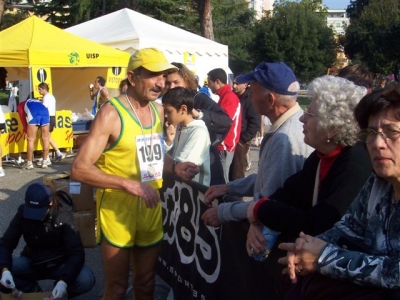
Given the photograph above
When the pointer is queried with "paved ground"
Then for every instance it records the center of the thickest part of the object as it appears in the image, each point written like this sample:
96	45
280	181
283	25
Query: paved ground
12	191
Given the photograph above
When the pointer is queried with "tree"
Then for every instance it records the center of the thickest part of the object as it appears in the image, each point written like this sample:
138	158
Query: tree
9	19
205	16
64	13
297	35
233	26
372	38
355	8
2	4
8	4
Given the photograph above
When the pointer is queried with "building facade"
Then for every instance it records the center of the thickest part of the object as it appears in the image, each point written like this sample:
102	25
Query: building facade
337	19
260	6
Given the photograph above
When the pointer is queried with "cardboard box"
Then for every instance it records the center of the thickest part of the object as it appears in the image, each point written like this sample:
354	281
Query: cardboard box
29	296
79	140
81	194
86	222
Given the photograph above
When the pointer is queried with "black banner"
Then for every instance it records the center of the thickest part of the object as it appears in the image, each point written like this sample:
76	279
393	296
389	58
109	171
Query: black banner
201	262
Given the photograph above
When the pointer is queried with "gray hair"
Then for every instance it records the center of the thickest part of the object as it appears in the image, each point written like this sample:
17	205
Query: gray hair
336	99
283	99
293	87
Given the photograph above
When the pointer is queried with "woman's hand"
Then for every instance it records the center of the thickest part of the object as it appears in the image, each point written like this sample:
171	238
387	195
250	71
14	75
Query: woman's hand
302	256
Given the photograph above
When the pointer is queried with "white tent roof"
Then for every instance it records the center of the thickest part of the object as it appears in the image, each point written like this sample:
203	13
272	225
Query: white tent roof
127	30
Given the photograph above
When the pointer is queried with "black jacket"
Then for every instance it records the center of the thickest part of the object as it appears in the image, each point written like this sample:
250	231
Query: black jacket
217	120
290	209
218	124
251	120
49	243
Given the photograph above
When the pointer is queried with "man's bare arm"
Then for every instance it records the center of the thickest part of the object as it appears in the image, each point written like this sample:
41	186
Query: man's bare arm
103	132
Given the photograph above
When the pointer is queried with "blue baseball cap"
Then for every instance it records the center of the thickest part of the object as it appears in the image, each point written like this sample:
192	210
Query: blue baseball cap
37	199
276	77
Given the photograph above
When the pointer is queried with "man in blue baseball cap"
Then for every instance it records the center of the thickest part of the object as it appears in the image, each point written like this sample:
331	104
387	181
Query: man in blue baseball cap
276	77
274	89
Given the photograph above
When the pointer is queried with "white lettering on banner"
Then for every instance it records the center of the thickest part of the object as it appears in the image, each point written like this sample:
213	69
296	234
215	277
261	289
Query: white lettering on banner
183	218
186	283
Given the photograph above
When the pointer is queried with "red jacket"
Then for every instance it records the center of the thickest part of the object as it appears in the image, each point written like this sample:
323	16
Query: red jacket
22	115
231	104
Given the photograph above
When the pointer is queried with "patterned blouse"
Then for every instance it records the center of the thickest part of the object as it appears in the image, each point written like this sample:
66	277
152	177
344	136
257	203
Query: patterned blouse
364	246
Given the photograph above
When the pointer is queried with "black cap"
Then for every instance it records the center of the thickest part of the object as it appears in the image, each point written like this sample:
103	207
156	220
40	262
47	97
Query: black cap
37	199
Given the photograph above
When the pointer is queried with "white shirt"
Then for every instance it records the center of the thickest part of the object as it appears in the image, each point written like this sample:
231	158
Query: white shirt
50	102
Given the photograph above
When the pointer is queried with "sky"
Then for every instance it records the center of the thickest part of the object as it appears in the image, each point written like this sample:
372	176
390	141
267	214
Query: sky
336	4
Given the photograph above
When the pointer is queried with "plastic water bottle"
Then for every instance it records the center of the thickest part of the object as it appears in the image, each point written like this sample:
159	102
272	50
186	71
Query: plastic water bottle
271	236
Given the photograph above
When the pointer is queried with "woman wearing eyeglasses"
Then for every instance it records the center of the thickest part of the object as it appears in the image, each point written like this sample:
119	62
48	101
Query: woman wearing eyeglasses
359	257
316	197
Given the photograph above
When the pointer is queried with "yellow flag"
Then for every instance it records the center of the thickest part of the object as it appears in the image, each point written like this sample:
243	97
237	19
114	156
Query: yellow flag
114	77
40	75
189	59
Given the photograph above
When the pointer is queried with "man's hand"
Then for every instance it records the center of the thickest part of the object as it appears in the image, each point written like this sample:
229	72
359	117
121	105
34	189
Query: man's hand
210	217
59	290
250	213
7	280
255	239
215	191
144	191
186	170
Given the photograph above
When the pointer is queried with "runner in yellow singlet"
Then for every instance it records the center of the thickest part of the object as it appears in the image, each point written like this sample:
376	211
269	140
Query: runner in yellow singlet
126	159
123	157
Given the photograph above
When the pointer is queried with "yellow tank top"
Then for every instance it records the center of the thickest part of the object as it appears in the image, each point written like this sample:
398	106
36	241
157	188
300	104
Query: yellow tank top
121	158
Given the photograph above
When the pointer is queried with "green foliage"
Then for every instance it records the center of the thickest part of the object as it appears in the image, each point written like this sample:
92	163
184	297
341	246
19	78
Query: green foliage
64	14
372	37
179	13
9	20
4	95
294	34
297	35
233	26
355	8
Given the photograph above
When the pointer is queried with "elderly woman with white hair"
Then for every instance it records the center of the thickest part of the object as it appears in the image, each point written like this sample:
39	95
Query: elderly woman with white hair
316	197
359	257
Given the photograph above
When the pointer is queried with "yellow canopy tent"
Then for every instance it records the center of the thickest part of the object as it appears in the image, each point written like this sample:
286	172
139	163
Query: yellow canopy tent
74	61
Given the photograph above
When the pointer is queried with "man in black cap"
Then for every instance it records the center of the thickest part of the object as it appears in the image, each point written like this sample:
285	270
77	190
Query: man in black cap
53	248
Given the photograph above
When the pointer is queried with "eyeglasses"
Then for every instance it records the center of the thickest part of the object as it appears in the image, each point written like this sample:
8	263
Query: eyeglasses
368	135
306	113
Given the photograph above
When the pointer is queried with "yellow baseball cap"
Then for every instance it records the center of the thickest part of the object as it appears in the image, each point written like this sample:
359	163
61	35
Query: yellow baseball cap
151	59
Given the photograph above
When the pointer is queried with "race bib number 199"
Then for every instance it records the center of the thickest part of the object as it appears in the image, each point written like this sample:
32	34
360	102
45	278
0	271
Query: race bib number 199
150	152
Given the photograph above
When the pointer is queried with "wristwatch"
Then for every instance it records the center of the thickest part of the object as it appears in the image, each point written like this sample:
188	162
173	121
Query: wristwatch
174	165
